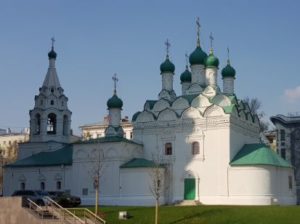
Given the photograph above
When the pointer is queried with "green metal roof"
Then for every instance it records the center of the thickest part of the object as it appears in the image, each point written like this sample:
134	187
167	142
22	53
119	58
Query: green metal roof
107	139
138	163
258	154
54	158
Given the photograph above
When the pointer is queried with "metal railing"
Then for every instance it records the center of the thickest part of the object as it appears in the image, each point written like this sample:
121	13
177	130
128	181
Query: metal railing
61	213
88	216
34	208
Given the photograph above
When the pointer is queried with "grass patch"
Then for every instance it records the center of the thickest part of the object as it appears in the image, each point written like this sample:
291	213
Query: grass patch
206	214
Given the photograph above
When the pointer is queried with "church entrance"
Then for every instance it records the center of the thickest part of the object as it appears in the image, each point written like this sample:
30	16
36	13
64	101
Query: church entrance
189	188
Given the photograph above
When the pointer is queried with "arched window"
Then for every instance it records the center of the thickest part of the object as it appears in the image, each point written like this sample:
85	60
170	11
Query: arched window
42	185
58	185
51	124
195	148
168	148
37	124
65	125
22	186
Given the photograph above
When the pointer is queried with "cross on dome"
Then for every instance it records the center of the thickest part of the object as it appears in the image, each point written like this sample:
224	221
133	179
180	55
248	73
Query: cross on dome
115	80
211	42
168	45
198	31
52	42
228	58
187	59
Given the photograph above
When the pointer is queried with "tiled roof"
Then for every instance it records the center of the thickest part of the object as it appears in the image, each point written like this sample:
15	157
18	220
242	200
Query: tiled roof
258	154
138	163
58	157
107	139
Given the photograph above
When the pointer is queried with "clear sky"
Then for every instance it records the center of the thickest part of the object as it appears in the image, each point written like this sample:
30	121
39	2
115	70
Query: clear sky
95	39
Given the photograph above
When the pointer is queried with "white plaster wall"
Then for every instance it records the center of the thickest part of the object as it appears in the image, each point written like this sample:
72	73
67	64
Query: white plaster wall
211	76
135	187
264	184
228	85
167	81
33	176
115	117
198	74
112	155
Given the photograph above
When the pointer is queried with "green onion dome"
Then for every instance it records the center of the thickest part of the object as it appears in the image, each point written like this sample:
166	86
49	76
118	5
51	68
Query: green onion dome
167	66
114	102
186	76
228	71
198	57
52	54
212	61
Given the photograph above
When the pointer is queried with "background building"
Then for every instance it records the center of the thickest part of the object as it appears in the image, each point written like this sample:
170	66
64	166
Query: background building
97	130
288	142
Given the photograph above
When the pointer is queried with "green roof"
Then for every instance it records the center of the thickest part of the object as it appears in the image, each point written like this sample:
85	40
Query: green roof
167	66
138	163
54	158
258	154
151	103
114	102
107	139
198	56
212	61
186	76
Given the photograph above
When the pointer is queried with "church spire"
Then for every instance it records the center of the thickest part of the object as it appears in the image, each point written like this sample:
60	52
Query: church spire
51	79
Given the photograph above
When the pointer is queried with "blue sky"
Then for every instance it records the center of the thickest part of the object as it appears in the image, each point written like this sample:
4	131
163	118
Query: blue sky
95	39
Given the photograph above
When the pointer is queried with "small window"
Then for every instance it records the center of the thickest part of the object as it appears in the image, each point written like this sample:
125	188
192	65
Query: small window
85	191
290	182
195	148
52	90
168	149
22	186
42	186
283	154
282	143
282	135
52	102
131	135
58	185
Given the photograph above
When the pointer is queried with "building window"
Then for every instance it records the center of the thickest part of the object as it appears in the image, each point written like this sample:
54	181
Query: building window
42	186
290	182
37	124
58	185
282	143
283	154
65	125
195	148
282	135
52	102
22	186
168	149
131	135
51	124
85	191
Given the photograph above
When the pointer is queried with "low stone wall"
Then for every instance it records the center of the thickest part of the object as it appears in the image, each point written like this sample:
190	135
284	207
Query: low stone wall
12	212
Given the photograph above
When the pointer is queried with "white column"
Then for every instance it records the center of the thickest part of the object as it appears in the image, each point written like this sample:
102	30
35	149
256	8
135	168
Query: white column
114	117
167	81
198	74
211	76
228	85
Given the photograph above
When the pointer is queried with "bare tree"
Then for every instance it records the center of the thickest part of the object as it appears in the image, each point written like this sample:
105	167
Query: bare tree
156	186
96	171
255	108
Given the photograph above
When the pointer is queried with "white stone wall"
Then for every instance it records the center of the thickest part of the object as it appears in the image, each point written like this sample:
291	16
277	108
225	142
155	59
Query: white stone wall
198	74
85	160
228	85
264	184
33	176
167	81
211	76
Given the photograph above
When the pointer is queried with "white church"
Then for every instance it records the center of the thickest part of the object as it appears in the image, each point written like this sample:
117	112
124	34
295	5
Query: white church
204	141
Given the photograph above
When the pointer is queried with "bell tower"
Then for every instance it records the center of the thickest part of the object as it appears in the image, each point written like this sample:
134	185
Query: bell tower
50	119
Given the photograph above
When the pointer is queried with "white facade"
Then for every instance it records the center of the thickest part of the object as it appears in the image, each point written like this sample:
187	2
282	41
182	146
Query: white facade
194	140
